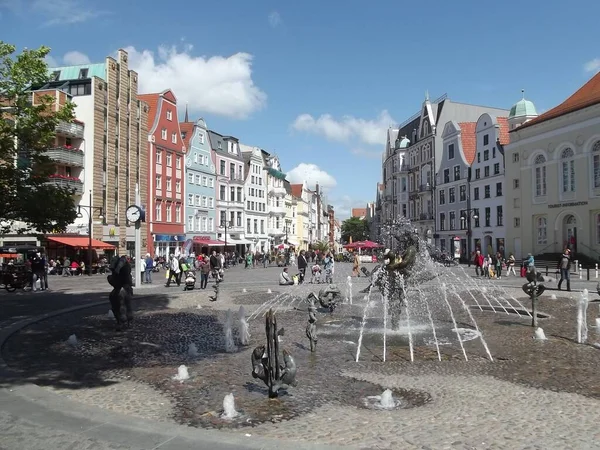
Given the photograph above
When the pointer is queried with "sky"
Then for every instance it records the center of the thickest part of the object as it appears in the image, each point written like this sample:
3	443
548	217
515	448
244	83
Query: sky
319	83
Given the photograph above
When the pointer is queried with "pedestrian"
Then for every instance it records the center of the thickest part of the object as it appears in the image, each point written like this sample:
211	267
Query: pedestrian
149	268
302	264
498	263
564	265
478	261
355	264
511	265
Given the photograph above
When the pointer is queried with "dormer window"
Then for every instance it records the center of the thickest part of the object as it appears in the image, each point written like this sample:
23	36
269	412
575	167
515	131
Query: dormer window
83	73
56	75
169	115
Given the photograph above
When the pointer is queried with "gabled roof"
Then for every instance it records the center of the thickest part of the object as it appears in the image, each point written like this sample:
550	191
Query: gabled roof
587	95
187	130
359	212
503	135
468	140
297	190
152	101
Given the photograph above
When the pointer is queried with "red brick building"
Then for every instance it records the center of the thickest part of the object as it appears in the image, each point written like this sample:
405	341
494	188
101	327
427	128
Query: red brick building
166	184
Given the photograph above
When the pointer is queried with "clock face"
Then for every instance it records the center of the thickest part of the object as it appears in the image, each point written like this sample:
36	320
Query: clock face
133	213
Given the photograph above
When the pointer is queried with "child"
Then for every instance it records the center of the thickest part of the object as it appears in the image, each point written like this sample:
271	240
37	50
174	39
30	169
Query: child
316	274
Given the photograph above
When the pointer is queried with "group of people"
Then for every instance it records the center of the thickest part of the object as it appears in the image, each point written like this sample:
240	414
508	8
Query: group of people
178	267
322	263
492	267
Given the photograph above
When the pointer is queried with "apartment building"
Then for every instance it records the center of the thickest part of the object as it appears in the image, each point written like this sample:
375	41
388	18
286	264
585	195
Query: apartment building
278	201
255	187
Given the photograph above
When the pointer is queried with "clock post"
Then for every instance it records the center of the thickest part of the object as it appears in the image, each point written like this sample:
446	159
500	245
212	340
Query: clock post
138	240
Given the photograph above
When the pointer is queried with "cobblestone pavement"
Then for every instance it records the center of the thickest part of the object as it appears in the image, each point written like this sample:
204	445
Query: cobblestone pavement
535	394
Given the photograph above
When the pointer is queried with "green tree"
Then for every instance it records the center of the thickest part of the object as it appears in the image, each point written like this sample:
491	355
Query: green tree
320	246
26	132
356	228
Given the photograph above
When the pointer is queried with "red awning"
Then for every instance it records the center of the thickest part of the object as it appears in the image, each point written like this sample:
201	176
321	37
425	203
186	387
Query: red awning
209	243
81	242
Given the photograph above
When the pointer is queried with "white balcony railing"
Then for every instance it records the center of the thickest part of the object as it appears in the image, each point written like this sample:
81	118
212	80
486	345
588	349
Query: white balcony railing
73	129
70	183
67	156
278	191
277	210
276	231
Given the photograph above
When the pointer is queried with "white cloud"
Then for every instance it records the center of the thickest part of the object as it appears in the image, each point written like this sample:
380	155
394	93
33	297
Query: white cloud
51	61
371	132
343	206
313	175
65	12
275	19
366	153
75	58
592	65
217	85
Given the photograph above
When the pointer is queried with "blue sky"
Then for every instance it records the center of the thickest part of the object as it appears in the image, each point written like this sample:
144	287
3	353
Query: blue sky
319	82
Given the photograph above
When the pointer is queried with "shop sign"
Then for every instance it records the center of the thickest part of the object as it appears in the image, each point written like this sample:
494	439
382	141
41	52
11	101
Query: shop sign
568	204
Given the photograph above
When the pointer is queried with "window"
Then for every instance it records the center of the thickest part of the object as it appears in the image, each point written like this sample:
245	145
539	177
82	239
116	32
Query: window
476	193
201	137
169	210
239	194
456	173
446	175
463	193
542	225
211	202
443	221
168	184
478	157
596	164
477	174
496	168
205	181
516	183
195	158
204	201
190	223
452	220
211	182
158	157
499	189
248	226
239	219
169	115
178	213
178	186
568	170
442	197
451	151
493	152
190	199
486	155
499	216
169	160
198	178
158	182
222	167
158	211
197	200
204	224
540	175
517	222
83	73
516	202
486	191
476	216
486	171
174	138
451	195
178	162
515	157
486	139
488	216
190	178
163	134
222	192
211	224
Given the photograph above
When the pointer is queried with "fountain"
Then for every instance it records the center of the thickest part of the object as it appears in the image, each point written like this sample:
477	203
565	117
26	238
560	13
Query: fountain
269	291
110	315
385	400
328	297
72	341
534	288
228	332
244	334
540	335
182	374
266	360
582	305
349	289
311	327
553	297
229	411
244	290
215	297
192	350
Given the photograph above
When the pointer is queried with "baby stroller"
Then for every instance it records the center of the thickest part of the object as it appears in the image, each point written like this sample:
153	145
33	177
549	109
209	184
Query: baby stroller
316	274
190	281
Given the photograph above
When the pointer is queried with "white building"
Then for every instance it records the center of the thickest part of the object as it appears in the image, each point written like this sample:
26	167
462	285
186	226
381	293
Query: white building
255	188
487	185
276	200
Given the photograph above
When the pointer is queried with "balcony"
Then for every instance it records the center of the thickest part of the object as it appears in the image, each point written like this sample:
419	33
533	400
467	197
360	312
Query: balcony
67	156
425	188
75	184
235	180
277	210
226	204
73	129
276	231
426	216
278	191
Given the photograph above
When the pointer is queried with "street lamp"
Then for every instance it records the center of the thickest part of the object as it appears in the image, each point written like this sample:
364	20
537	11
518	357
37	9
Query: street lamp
469	214
90	212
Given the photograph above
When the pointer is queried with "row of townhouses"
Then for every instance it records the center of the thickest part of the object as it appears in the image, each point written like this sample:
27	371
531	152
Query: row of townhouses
193	183
512	181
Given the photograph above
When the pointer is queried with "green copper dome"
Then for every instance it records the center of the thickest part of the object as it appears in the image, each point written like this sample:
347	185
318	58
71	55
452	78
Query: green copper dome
523	108
403	143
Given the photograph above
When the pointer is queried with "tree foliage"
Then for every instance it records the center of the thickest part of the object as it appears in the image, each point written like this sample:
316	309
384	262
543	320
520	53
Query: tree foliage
356	228
26	132
320	246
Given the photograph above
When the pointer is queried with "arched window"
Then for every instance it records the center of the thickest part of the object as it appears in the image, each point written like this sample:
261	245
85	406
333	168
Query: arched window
567	167
596	163
542	226
540	175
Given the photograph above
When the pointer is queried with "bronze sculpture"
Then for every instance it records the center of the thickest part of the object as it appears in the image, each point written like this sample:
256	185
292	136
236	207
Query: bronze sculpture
534	288
311	327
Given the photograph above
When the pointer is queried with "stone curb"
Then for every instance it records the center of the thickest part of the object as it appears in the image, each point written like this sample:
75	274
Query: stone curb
38	405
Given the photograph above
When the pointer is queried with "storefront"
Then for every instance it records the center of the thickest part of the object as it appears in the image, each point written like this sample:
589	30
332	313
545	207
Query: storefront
205	245
167	244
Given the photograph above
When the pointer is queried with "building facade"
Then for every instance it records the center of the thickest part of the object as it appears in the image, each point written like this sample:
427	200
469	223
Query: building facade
301	211
553	173
290	218
230	178
114	142
277	205
255	187
200	182
166	183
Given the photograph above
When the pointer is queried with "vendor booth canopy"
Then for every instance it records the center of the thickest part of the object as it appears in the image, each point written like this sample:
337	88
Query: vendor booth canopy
210	243
81	242
367	244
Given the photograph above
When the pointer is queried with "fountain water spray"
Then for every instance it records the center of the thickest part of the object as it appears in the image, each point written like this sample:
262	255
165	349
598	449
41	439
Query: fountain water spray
435	339
110	314
182	374
269	291
72	341
243	332
582	305
229	411
349	289
244	290
364	321
384	401
410	336
192	350
540	335
456	330
228	332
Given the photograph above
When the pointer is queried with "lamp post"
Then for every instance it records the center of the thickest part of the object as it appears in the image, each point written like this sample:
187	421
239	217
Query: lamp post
90	211
469	214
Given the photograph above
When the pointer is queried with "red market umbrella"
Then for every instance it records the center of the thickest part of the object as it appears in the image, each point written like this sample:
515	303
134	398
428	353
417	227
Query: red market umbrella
367	244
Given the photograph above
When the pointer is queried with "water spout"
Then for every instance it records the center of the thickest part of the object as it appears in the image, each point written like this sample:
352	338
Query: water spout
387	399
410	336
540	335
72	341
582	305
349	290
110	314
364	321
229	411
192	350
269	291
243	332
182	374
228	332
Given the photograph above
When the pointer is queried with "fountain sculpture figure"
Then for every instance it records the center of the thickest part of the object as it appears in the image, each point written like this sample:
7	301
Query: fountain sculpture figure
311	327
534	288
215	297
266	360
328	297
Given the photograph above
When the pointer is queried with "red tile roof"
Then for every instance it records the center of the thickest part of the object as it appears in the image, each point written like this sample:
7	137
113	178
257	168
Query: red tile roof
468	140
188	129
587	95
296	190
504	135
152	101
359	212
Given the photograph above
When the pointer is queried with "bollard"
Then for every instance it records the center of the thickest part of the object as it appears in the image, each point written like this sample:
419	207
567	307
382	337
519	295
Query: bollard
546	270
580	273
596	270
588	274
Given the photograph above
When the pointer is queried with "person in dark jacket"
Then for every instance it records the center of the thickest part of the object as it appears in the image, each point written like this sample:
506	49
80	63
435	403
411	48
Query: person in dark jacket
120	279
302	264
564	265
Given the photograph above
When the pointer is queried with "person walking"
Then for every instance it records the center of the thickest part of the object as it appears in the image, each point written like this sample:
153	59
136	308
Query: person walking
355	264
204	272
149	267
478	261
174	271
511	265
302	264
499	262
564	265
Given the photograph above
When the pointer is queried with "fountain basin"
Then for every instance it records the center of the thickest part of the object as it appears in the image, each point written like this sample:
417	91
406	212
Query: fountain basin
402	399
524	313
